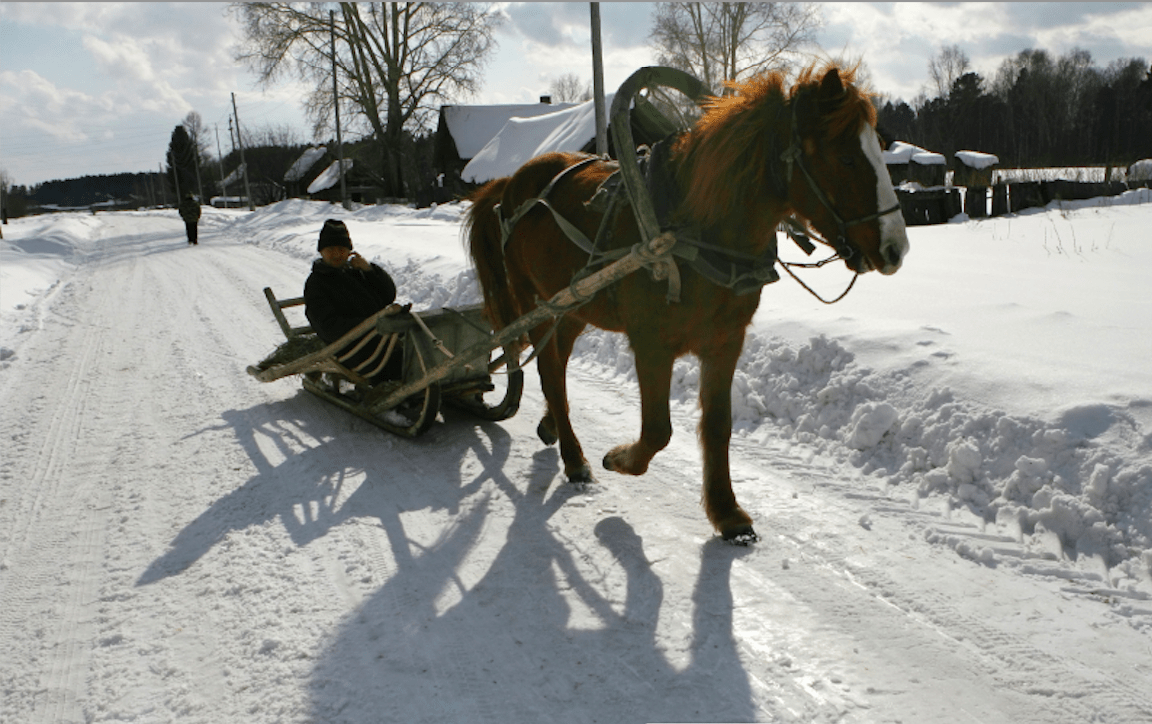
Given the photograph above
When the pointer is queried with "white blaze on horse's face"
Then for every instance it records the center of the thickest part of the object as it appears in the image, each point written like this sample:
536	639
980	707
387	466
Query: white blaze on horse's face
893	235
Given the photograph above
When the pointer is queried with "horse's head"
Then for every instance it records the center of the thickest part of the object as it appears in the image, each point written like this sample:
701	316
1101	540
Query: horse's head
835	175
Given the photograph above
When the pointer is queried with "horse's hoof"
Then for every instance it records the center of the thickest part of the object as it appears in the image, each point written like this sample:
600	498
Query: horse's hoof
741	535
547	436
581	475
617	460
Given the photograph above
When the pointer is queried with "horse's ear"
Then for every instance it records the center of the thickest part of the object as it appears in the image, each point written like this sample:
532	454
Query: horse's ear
831	86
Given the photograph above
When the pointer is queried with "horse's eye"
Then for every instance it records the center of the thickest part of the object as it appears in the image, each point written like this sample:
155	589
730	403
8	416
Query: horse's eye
847	160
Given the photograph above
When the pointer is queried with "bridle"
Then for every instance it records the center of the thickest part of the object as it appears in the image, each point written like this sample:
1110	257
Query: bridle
794	155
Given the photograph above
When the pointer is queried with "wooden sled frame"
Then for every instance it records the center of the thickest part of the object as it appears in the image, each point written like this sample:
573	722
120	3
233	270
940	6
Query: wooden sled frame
424	341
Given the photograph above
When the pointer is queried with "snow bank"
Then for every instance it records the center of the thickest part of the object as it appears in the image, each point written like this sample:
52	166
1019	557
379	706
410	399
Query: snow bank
1141	170
36	253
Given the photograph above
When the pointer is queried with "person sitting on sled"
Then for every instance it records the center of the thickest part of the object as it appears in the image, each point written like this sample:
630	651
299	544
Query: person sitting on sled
344	289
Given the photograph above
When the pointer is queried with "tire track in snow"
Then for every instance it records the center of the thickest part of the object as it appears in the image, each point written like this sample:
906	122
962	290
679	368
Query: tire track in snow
1049	687
60	519
1084	692
1006	676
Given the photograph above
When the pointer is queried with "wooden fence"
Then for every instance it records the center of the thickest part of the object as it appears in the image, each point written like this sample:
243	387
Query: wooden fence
939	203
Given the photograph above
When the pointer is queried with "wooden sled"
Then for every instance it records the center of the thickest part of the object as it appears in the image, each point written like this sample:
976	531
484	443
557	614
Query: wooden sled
424	341
447	353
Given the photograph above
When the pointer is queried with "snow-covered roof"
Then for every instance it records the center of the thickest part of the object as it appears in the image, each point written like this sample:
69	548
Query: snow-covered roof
1141	170
521	139
976	159
234	177
329	177
928	158
471	127
901	152
305	162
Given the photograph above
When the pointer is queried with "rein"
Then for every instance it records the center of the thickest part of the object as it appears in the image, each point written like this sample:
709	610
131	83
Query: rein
797	233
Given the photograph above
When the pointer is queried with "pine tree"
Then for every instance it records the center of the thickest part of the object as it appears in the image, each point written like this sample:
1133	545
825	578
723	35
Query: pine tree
181	172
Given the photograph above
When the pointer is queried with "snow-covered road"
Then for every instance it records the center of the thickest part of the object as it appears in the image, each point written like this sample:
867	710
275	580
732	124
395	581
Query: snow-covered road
181	543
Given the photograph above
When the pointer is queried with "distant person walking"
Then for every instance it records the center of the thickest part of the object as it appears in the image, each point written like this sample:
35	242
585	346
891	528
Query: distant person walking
190	212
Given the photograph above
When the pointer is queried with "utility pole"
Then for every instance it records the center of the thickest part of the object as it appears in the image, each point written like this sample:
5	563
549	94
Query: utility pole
247	190
336	104
220	160
598	84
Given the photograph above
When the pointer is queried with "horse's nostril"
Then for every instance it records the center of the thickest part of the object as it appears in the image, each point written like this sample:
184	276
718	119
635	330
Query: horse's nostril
892	255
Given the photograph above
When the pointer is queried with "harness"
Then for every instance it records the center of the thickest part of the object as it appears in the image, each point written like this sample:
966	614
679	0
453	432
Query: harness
741	272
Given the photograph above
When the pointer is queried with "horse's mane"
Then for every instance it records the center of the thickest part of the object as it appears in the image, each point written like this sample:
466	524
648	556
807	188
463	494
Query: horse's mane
734	149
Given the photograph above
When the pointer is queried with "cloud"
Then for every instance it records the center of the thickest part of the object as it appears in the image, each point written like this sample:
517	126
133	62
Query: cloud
123	59
1042	16
567	26
556	40
36	103
896	40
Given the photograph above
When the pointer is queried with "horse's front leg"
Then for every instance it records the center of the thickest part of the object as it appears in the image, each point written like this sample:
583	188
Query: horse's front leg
717	365
654	373
552	364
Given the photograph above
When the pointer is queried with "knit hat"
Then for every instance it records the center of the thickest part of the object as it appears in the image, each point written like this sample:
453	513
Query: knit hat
334	233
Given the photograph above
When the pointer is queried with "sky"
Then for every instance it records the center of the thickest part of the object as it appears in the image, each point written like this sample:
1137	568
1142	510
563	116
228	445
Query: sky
96	88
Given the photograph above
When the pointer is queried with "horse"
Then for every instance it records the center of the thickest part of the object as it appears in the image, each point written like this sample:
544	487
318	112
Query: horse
754	157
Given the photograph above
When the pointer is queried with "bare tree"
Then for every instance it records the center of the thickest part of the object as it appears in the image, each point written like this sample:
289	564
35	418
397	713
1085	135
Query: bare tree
272	134
730	41
198	134
945	67
568	88
395	62
194	124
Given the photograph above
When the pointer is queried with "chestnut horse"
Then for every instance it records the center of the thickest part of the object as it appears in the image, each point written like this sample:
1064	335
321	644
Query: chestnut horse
752	159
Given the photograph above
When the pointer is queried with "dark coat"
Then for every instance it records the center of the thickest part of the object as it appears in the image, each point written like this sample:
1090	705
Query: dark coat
336	300
189	210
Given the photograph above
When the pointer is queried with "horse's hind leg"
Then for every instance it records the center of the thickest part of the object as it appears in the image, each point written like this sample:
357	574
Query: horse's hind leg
654	373
552	364
717	365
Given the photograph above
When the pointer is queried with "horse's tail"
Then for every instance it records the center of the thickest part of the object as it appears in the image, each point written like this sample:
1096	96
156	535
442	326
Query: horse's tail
482	228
